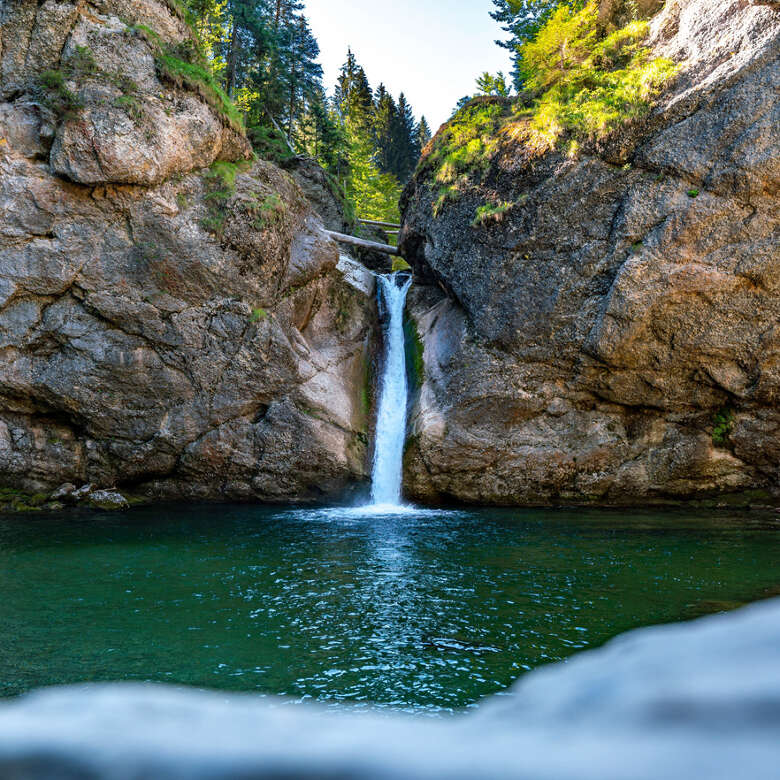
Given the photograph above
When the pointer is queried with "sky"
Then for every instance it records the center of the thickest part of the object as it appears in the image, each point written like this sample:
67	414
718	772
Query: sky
432	50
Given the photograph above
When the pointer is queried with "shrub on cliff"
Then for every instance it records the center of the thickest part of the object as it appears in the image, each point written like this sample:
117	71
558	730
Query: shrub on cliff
581	85
464	146
588	86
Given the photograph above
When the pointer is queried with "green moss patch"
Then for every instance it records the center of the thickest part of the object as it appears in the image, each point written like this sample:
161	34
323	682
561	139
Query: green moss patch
52	87
269	144
463	148
220	183
722	426
491	213
183	65
268	211
415	363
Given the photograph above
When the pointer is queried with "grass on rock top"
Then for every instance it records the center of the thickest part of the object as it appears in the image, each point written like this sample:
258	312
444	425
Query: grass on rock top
184	66
580	87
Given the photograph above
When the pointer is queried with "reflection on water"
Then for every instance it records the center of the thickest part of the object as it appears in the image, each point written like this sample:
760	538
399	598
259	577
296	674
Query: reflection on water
416	609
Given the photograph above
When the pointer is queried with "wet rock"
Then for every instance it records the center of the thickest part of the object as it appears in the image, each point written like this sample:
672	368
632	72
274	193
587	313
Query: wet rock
613	339
81	493
63	492
107	499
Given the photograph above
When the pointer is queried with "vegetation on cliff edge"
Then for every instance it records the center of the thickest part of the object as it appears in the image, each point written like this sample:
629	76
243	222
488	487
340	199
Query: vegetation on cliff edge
580	85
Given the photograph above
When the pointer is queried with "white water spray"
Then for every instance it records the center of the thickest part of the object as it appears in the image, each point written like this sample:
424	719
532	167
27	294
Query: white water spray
393	390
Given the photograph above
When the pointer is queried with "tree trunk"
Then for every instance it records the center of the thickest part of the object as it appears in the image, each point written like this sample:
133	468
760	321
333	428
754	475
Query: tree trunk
232	62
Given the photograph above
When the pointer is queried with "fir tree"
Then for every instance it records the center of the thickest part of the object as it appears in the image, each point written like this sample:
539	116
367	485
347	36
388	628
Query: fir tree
487	84
423	133
385	118
406	149
353	96
523	19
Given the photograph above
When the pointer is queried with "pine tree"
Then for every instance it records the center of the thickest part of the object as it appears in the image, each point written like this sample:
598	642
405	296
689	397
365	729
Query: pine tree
265	56
321	136
406	149
385	117
423	133
522	19
353	96
487	84
304	80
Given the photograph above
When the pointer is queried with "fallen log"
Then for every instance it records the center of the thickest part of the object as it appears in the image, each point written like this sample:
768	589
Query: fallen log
374	223
363	244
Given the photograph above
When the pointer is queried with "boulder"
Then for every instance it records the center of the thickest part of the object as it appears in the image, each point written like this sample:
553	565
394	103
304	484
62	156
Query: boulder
107	499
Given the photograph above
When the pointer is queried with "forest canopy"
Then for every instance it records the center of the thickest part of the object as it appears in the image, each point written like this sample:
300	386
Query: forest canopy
264	57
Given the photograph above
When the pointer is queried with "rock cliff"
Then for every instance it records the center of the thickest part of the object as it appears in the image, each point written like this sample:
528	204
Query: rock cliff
611	333
173	319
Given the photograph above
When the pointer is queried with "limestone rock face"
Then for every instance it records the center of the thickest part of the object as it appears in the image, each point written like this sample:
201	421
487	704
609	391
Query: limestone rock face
319	191
616	336
163	328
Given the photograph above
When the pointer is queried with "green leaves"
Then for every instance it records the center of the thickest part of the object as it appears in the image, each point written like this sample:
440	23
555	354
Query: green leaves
487	84
463	147
589	86
723	424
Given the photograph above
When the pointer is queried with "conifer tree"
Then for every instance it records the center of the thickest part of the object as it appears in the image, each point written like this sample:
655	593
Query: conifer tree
385	117
353	96
488	84
406	150
522	19
423	133
264	55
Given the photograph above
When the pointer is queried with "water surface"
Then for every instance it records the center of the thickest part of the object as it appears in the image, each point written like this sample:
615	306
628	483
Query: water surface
419	611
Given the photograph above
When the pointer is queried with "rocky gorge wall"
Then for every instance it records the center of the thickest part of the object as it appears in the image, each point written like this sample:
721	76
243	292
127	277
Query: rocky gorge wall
173	319
612	336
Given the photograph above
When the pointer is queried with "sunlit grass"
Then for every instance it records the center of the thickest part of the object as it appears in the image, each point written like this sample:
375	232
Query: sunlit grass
580	88
589	86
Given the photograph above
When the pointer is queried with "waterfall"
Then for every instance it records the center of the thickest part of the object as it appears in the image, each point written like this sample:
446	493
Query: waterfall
391	415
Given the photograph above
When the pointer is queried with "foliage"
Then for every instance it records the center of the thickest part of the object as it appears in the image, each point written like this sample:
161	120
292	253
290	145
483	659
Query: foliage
463	147
201	80
693	192
424	134
399	264
414	353
220	183
523	19
57	96
589	86
258	314
263	57
723	425
491	213
132	105
269	144
52	86
268	211
375	194
488	84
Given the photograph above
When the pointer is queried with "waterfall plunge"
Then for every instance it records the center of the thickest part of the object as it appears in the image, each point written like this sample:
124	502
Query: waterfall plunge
393	390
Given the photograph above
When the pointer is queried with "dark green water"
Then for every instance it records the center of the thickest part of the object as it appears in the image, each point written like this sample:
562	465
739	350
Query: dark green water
432	610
